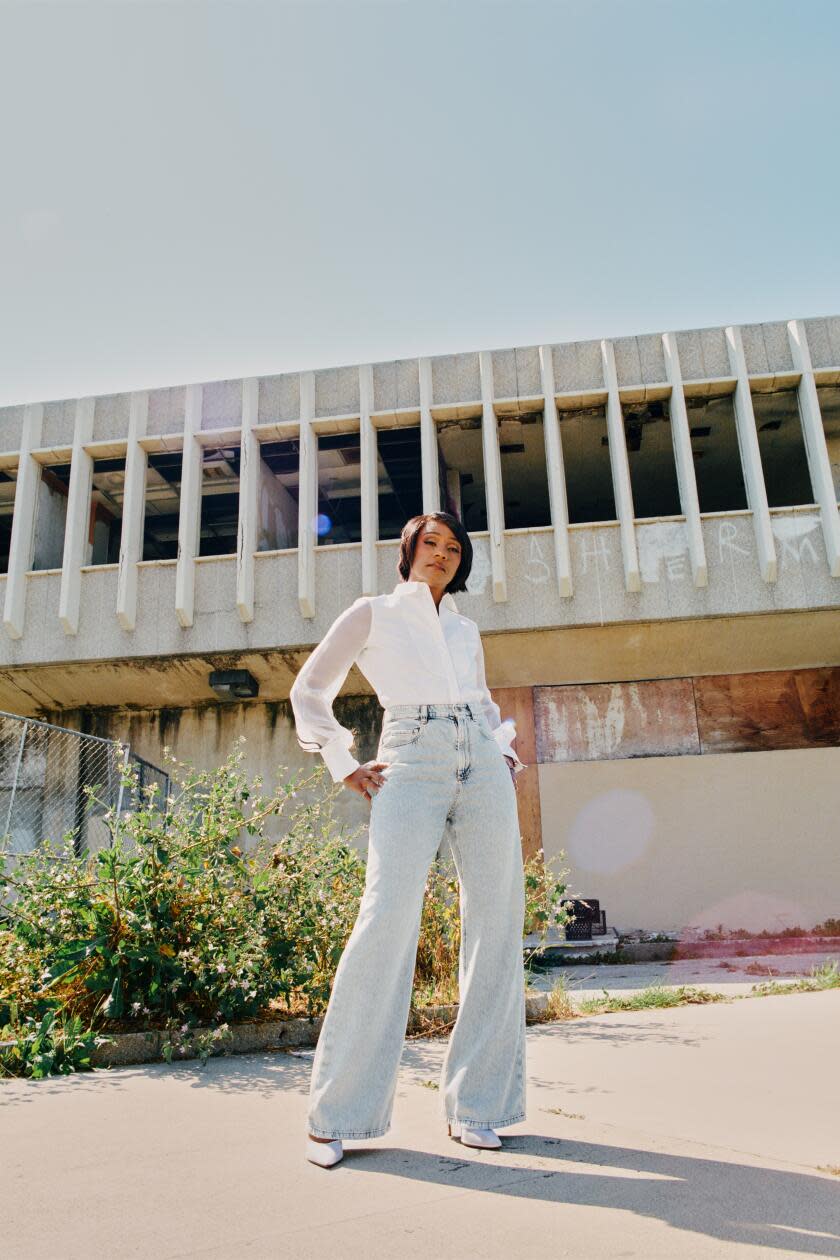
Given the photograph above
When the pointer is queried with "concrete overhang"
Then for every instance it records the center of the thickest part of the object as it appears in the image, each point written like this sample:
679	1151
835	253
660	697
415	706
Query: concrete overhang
627	651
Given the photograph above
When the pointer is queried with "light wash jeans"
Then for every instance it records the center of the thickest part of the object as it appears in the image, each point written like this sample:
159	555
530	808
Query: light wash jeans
446	776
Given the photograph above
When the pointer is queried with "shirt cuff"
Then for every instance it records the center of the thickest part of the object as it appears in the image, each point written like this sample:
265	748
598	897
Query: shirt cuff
504	736
338	759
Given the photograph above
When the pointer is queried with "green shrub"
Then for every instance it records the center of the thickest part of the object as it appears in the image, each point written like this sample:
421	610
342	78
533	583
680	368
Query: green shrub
199	914
180	918
439	944
436	971
307	900
57	1044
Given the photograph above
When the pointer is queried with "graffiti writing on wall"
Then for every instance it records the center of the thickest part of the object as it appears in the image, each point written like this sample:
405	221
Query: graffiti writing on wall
794	536
537	570
594	547
663	547
727	546
663	550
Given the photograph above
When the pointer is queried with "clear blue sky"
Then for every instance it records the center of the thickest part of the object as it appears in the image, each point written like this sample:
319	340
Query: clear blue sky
200	190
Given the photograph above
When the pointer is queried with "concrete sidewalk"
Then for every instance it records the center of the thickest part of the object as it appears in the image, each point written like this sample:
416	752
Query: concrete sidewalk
695	1132
732	976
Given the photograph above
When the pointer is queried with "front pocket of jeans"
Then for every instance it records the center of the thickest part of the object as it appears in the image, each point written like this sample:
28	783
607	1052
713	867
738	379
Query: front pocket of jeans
397	736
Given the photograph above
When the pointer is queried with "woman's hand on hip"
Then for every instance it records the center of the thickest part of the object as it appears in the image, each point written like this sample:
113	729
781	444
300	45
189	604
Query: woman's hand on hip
367	779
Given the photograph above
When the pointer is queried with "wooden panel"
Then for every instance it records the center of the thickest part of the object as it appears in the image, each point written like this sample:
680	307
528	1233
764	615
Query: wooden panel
606	721
783	709
518	703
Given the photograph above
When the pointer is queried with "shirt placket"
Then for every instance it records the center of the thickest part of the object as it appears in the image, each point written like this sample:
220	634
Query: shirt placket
452	679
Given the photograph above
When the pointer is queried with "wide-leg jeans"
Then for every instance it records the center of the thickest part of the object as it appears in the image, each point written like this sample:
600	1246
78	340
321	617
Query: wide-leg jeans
446	776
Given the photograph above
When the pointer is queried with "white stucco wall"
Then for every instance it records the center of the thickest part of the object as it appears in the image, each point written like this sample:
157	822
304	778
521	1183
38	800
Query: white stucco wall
744	839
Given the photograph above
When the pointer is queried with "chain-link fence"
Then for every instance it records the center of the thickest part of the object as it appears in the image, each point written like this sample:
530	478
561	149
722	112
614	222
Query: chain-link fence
45	774
147	773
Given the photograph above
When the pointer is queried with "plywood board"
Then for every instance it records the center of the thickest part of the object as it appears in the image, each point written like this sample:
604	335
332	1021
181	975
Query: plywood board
782	709
607	721
518	703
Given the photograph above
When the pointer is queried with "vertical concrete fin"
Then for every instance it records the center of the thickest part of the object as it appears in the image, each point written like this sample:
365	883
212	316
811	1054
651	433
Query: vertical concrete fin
556	471
816	448
428	440
134	503
189	519
370	480
684	462
23	521
77	525
249	500
620	470
751	456
307	496
493	479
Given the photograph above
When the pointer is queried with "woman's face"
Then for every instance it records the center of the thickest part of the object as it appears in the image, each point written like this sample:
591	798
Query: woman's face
436	556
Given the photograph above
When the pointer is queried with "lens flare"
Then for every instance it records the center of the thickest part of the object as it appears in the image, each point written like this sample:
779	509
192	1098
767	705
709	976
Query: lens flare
322	524
611	832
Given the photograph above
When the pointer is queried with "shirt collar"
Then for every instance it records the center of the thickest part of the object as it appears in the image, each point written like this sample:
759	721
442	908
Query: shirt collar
413	588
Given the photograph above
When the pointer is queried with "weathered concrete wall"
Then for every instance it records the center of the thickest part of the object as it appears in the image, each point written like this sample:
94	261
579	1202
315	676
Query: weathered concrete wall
667	592
205	736
743	839
50	519
278	514
578	366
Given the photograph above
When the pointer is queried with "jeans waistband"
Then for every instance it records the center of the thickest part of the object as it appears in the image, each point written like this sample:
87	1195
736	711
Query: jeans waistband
432	710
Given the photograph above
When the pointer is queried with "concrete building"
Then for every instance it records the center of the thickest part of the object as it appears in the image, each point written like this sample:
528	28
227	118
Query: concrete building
657	581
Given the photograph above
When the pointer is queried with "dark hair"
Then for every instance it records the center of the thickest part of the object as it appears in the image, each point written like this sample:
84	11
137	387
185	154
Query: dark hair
408	546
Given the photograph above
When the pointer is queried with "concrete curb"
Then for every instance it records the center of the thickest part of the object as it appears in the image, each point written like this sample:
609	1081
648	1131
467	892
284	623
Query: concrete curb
147	1047
632	951
756	946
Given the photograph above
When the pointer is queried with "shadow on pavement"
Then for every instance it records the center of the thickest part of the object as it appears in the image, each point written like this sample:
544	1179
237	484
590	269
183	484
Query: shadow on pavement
787	1211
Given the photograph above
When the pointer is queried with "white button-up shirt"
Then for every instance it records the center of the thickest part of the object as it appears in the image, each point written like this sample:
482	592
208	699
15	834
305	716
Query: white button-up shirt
410	652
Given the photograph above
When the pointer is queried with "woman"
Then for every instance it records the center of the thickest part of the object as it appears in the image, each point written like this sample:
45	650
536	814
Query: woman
440	770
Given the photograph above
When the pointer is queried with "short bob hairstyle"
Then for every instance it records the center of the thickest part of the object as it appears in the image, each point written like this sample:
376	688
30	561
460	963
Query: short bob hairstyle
408	545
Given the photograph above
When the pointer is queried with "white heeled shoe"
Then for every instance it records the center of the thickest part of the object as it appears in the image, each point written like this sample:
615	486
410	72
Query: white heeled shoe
486	1139
325	1154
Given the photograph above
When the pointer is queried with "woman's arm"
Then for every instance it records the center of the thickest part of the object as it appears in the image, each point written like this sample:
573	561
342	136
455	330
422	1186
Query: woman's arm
504	732
318	683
